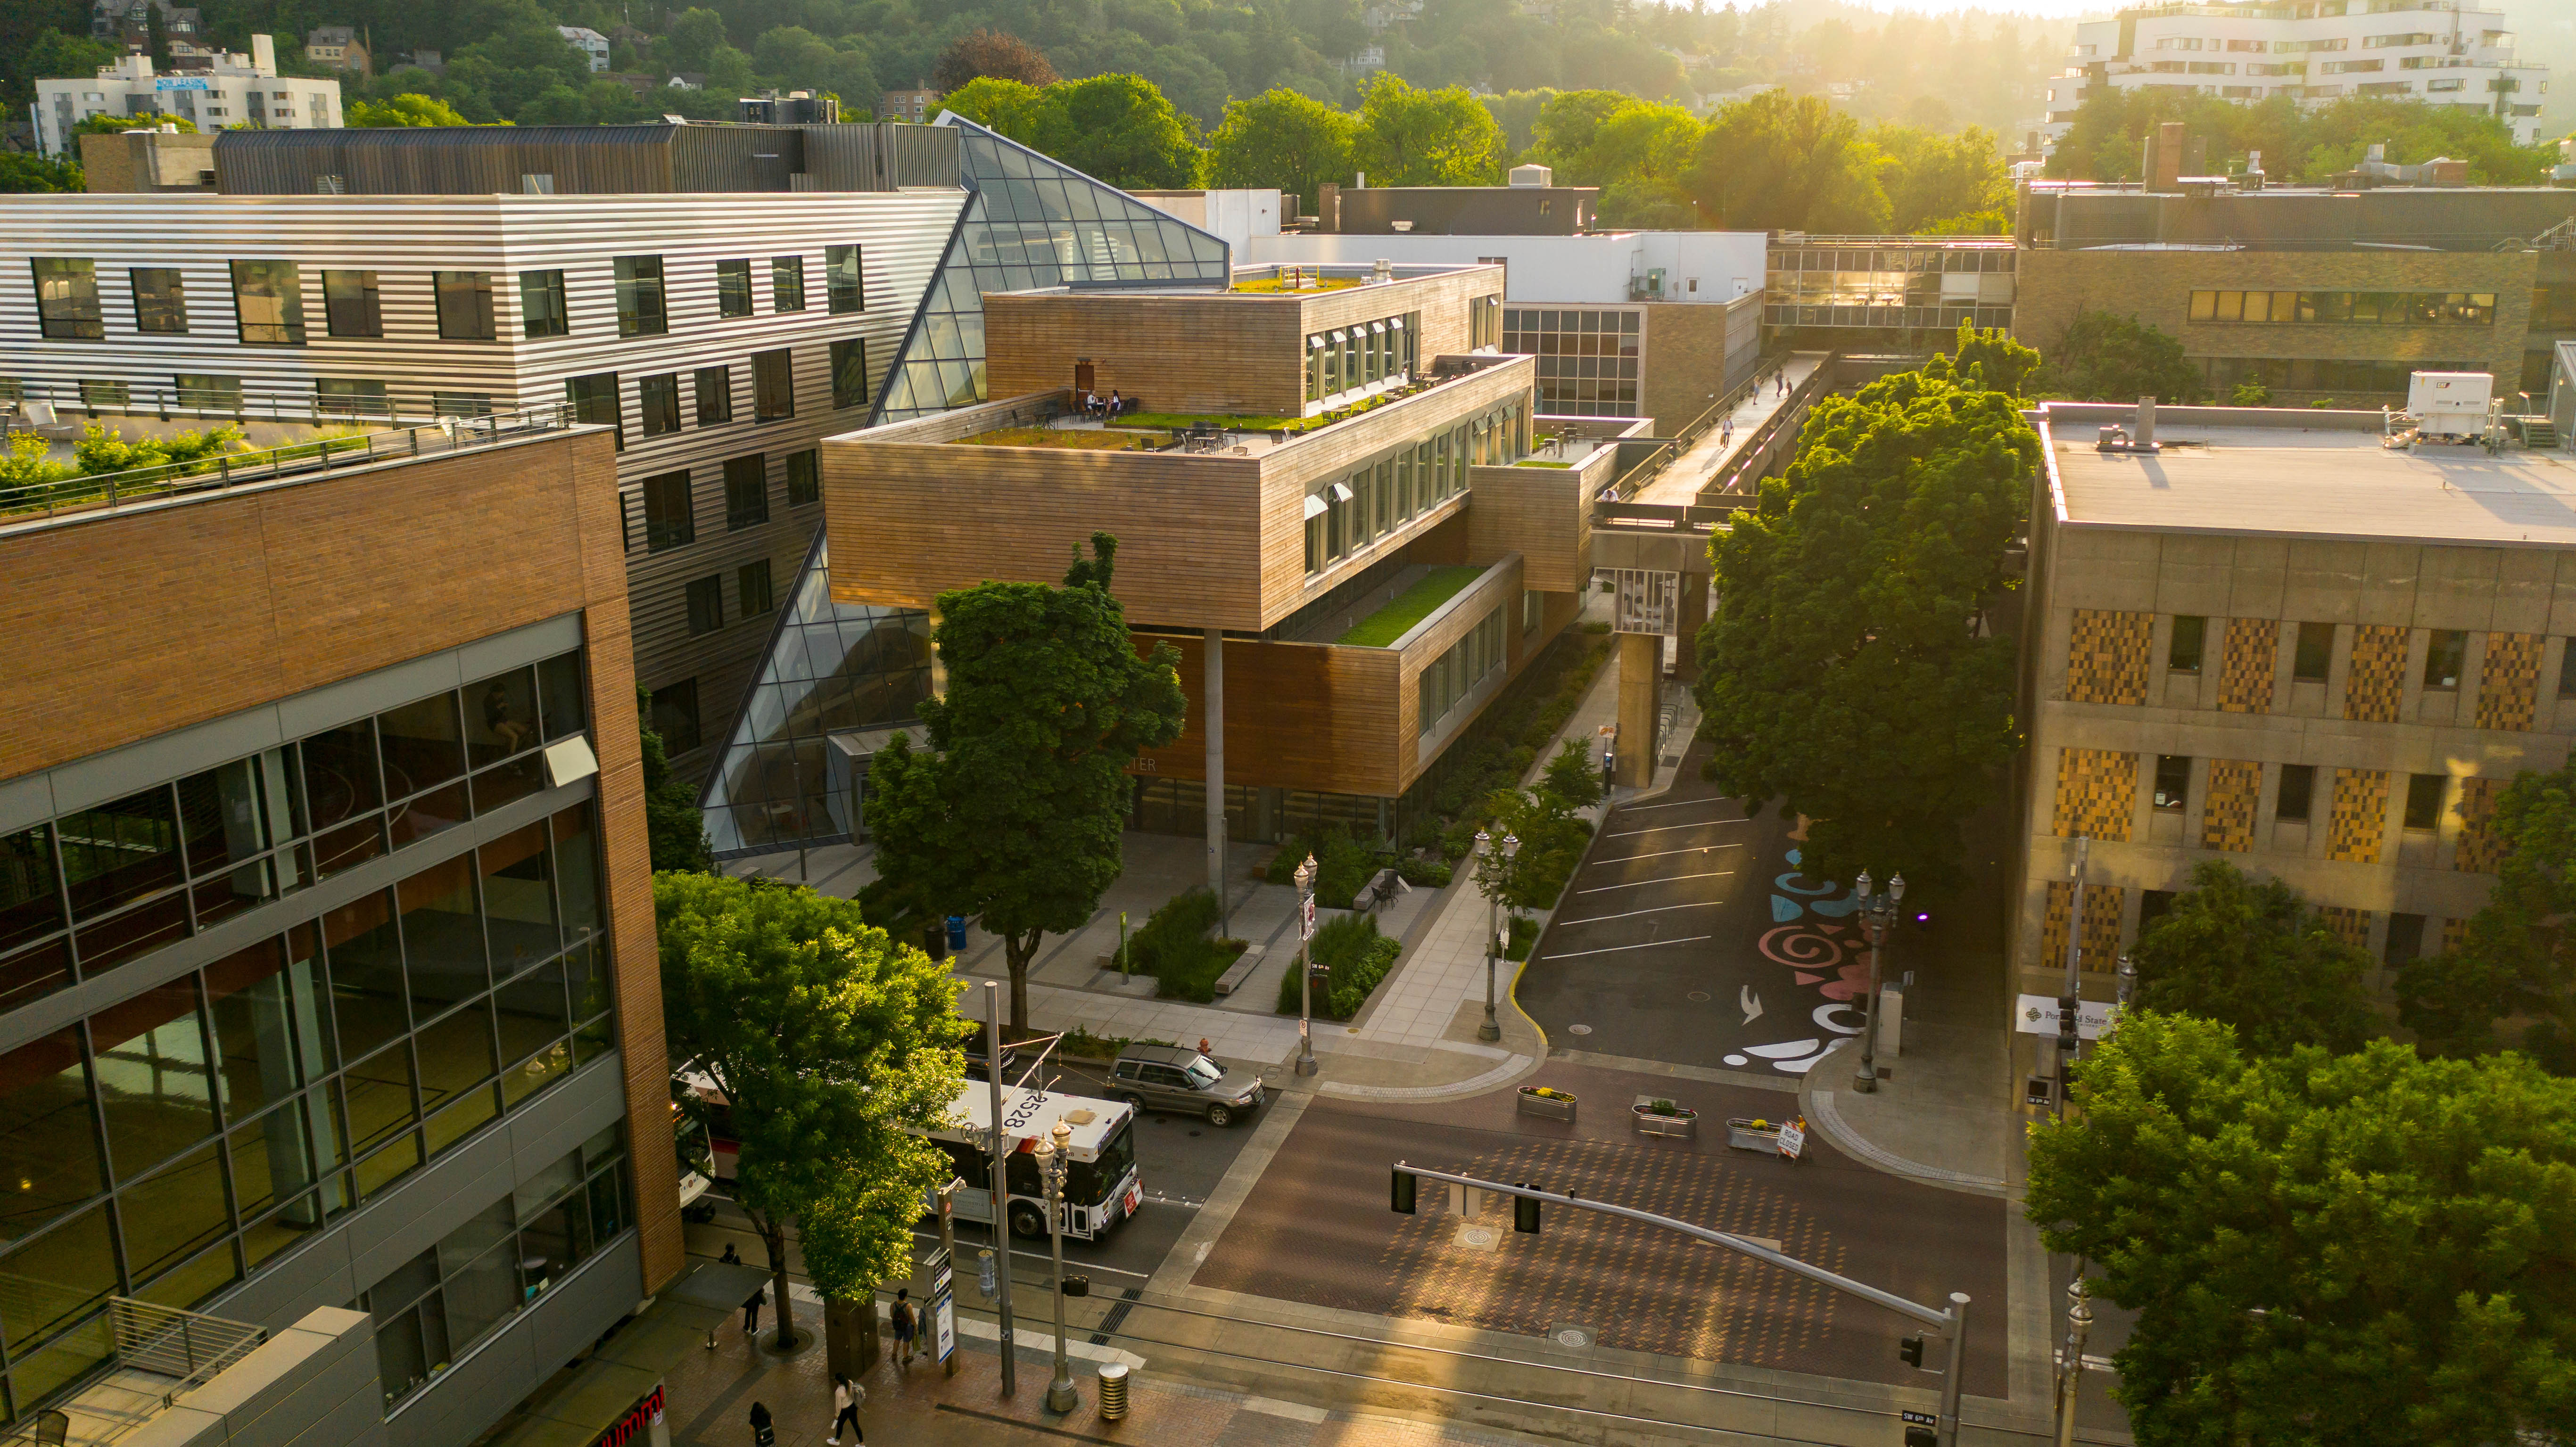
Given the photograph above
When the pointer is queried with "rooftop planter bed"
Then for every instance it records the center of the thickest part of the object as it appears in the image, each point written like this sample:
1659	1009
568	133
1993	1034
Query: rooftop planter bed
1411	606
1311	283
1537	462
1085	439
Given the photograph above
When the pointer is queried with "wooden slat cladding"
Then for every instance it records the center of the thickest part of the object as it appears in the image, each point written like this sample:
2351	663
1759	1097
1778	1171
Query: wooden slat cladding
1239	353
1539	513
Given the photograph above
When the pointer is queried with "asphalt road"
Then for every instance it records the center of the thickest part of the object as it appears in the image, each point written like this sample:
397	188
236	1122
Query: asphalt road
1317	1230
1689	936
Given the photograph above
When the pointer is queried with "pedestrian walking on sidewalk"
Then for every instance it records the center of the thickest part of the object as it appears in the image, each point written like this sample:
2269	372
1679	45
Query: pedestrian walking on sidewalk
751	1306
762	1433
906	1326
847	1397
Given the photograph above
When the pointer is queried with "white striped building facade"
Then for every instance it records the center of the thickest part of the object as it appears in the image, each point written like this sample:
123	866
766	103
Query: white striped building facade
406	241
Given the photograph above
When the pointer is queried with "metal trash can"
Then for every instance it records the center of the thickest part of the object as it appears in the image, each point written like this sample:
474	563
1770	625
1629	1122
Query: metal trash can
1113	1391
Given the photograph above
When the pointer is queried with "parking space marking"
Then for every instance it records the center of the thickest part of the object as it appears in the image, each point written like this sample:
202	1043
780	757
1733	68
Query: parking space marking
1614	949
1667	879
1664	828
1632	914
1662	853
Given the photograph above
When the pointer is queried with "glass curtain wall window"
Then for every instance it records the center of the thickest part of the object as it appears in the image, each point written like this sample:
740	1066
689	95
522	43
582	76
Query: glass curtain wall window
640	310
268	297
198	1129
160	300
67	298
2380	308
1447	680
350	305
465	306
542	310
1588	361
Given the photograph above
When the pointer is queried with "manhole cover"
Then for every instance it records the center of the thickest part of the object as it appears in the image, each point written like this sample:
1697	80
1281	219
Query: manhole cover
1699	997
1476	1236
1568	1335
1578	1029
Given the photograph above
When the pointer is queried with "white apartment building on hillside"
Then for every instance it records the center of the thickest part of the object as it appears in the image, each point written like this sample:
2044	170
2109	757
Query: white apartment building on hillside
232	90
2438	52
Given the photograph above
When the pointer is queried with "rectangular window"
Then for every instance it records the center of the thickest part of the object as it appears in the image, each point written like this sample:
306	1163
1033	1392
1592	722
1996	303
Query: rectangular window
658	399
2173	781
850	373
751	588
160	300
209	393
2315	655
351	397
464	306
706	604
804	477
460	404
2405	938
2297	799
773	385
746	492
2445	651
542	312
640	309
594	400
268	298
715	395
349	305
67	298
2182	655
670	513
675	715
733	288
2424	800
844	284
102	393
787	283
2567	669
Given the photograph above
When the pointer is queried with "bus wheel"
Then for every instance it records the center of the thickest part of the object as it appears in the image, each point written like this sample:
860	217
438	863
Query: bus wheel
1028	1222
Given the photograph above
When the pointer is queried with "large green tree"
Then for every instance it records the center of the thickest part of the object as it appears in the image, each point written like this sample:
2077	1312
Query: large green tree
1116	128
2519	957
833	1045
2107	357
1783	162
1848	671
1013	812
2251	954
1990	357
1411	137
1283	139
1938	182
2364	1250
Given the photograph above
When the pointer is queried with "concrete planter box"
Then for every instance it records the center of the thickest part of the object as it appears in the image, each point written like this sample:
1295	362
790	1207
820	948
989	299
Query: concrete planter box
1557	1107
1744	1135
1649	1122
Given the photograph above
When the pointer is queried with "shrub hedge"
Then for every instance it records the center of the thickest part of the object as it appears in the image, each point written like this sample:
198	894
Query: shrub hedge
1177	950
1357	957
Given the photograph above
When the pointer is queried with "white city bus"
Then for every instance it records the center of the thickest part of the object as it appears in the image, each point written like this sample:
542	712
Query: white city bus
1101	1188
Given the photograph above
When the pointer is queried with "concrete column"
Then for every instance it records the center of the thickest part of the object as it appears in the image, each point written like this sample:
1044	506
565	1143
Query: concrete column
1694	616
1214	705
1641	668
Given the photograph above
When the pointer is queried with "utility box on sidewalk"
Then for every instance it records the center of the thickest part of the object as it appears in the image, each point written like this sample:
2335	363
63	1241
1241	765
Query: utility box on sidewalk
1891	1018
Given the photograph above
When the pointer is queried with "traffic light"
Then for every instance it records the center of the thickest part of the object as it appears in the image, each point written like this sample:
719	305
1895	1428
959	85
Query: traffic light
1912	1350
1524	1211
1400	1192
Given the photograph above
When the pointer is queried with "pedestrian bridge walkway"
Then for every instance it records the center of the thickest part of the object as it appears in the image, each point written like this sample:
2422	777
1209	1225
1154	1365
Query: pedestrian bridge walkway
1737	437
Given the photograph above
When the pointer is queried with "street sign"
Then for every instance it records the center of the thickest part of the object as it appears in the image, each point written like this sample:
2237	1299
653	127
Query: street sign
1306	918
1919	1419
2037	1015
943	1326
1793	1138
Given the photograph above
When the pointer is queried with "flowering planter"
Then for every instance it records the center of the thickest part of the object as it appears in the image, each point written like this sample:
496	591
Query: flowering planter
1556	1105
1754	1135
1675	1122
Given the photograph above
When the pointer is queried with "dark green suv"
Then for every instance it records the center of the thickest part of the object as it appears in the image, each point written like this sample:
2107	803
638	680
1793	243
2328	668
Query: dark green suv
1167	1077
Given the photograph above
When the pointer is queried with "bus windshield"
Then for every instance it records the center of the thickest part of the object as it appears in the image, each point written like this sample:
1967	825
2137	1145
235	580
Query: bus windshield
1090	1182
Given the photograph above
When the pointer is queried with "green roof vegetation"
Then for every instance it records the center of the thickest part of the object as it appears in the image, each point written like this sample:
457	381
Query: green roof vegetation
1272	283
1411	606
1540	462
1084	439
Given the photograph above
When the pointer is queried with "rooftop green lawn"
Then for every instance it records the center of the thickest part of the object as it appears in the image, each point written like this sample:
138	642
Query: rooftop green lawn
1097	440
1272	283
1411	606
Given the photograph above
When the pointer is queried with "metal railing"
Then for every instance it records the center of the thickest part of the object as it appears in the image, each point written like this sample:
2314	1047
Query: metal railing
90	493
211	404
185	1346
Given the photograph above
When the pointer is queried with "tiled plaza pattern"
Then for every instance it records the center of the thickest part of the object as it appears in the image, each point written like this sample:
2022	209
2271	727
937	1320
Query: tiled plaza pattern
2509	683
2377	680
2352	926
2235	789
2360	817
1639	1287
2480	848
2245	674
2106	656
2101	926
2097	791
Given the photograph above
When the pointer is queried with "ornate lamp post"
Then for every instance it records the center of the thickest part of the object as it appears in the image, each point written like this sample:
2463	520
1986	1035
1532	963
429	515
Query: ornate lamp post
1052	1165
1305	970
2070	1368
1876	914
1493	872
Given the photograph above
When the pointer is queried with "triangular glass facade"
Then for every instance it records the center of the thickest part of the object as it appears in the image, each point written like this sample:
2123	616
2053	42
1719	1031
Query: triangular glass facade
839	675
1030	223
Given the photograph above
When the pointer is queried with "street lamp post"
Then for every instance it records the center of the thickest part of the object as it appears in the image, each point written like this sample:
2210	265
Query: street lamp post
2070	1370
1492	869
998	1196
1876	915
1305	970
1053	1161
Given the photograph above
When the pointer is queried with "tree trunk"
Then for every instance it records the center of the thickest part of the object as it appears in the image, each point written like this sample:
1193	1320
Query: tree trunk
773	1238
1019	951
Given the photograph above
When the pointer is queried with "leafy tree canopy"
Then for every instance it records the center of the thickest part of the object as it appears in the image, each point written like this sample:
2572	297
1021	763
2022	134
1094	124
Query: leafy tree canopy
2106	141
1992	358
107	125
411	109
991	52
1014	810
2519	958
1784	162
2365	1249
24	171
1283	139
1936	181
1411	137
1116	128
832	1046
2106	357
1846	671
2250	954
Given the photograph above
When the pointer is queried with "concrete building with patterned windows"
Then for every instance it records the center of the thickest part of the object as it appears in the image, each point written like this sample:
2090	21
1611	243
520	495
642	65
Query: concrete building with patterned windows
2276	642
227	89
330	1013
